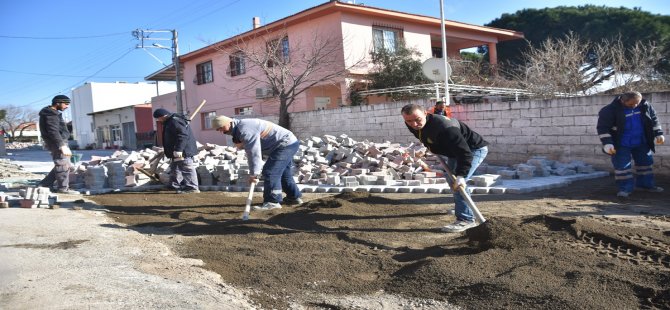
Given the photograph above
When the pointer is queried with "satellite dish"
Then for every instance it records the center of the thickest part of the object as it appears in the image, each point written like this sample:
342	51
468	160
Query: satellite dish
433	69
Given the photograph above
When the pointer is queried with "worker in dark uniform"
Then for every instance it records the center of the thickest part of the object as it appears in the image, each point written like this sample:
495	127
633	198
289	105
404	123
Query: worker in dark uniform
179	145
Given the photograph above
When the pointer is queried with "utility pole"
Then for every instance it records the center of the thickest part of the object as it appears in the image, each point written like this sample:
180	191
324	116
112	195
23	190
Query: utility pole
145	35
447	101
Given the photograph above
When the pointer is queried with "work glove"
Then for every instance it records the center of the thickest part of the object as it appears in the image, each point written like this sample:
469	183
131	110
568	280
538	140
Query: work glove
609	149
660	139
460	183
66	151
176	154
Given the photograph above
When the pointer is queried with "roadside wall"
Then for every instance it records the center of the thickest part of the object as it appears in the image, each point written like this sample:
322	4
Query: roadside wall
561	129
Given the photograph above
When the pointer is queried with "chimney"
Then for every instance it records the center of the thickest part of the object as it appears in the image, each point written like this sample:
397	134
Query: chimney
256	22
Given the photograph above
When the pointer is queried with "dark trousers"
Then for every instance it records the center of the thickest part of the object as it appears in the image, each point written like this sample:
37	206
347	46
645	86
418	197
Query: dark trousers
183	175
59	177
278	174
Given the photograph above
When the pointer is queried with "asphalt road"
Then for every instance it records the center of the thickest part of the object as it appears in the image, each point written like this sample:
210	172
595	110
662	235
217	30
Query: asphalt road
76	257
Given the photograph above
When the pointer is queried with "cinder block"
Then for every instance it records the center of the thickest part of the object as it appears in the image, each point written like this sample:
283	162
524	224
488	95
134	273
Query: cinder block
480	190
497	190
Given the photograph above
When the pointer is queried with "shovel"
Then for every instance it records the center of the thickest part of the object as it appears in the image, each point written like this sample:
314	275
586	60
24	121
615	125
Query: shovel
462	190
247	207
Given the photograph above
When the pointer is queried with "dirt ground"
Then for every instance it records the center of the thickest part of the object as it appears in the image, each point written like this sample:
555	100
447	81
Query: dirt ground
577	247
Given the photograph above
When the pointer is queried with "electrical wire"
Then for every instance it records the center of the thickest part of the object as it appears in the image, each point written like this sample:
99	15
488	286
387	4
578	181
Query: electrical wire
64	38
75	76
79	82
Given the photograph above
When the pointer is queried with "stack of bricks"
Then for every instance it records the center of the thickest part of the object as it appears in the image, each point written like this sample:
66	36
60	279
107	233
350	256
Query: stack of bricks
95	177
35	197
3	201
326	161
116	174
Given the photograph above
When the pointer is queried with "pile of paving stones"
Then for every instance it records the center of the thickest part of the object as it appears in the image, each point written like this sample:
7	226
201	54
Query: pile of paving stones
323	164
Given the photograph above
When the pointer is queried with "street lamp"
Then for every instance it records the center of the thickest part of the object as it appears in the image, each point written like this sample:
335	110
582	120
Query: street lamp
140	35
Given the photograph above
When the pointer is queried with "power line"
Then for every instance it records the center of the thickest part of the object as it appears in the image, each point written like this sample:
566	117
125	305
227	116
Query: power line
81	81
65	75
64	38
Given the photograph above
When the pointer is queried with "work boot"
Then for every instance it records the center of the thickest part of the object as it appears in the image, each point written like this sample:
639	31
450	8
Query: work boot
655	189
623	194
267	206
459	226
293	201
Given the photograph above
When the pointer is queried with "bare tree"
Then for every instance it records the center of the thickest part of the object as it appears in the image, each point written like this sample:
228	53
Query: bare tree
572	66
17	119
634	67
289	65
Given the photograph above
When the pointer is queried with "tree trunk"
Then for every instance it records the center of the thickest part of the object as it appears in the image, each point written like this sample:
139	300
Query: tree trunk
284	119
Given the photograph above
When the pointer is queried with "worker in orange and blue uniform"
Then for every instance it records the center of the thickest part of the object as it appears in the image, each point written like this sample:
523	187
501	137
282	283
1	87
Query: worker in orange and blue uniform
440	109
628	128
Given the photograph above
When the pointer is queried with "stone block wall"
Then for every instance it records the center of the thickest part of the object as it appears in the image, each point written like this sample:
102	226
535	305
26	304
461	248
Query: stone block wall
561	129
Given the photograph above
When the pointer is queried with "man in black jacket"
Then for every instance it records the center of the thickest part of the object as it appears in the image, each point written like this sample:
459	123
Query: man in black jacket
179	145
55	135
464	148
628	128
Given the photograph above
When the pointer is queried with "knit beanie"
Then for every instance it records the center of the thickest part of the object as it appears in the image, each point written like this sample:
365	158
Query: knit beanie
161	112
60	99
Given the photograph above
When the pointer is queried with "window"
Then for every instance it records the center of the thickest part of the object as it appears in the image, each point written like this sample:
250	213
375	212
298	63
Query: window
204	73
244	110
237	66
386	38
278	51
207	118
437	52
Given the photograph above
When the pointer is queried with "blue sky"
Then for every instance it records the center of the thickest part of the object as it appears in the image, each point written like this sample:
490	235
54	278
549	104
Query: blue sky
50	47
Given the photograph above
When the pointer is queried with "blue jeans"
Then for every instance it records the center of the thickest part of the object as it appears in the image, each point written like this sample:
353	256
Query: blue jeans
463	212
183	175
625	176
278	174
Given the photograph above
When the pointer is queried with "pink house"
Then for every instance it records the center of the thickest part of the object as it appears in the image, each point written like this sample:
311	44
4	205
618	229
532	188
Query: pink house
225	75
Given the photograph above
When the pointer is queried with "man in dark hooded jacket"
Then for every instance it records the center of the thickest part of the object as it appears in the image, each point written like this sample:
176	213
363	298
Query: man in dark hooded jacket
179	145
55	135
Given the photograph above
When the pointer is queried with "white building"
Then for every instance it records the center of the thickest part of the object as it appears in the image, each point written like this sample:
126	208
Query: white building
93	97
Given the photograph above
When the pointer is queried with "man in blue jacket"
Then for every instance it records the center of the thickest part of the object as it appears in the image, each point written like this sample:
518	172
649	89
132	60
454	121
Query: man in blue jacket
179	145
628	128
262	138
